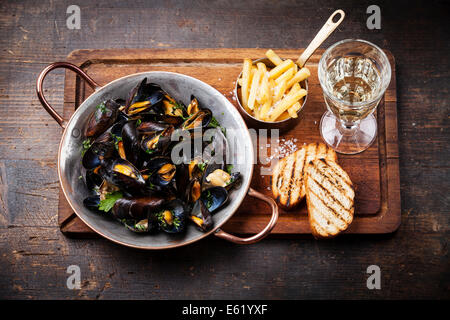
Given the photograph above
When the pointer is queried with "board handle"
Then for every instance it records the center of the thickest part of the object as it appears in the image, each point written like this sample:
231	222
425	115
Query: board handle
40	91
259	236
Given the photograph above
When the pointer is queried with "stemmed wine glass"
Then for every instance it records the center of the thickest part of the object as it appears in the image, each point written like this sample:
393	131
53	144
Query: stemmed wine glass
353	74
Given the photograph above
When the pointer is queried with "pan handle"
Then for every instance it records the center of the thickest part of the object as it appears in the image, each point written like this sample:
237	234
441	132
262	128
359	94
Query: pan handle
40	91
259	236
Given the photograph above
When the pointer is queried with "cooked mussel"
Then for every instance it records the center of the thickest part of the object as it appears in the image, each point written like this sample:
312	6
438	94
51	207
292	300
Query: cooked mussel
198	120
161	170
151	127
221	178
201	216
214	198
130	140
137	208
193	107
143	99
172	218
92	202
148	225
102	148
102	118
157	143
123	174
93	179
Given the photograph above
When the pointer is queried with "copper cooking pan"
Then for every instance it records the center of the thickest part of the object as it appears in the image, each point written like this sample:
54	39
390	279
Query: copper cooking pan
180	87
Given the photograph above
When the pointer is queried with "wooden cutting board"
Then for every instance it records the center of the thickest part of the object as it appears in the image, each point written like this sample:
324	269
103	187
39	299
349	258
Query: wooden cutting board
374	172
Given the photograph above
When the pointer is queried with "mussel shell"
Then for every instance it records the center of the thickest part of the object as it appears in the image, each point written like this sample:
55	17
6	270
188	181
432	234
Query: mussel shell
102	118
151	127
201	119
178	217
193	106
159	143
144	92
103	148
93	179
130	139
201	216
137	208
214	198
210	168
130	184
148	225
155	165
92	202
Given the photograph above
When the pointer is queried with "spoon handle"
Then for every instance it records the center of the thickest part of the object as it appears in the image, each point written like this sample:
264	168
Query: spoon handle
320	37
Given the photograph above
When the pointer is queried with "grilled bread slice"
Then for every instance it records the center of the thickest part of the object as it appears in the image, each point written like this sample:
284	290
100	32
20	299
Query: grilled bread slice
288	175
329	197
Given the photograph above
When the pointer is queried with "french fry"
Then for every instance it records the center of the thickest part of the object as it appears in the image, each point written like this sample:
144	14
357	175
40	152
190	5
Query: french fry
254	90
301	75
246	72
264	90
293	109
286	76
278	70
276	60
265	110
272	95
287	102
279	91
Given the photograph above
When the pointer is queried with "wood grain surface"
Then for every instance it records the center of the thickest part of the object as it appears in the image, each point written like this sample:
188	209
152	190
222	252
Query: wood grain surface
377	210
34	254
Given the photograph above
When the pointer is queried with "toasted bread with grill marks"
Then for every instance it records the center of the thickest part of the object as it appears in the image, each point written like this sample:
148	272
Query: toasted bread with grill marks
329	197
288	175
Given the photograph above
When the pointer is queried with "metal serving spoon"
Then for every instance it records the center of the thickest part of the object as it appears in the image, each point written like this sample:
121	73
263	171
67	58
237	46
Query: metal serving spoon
320	37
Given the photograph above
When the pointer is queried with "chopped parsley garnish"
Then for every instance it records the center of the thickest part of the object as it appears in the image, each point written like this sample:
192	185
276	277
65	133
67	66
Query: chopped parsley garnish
117	139
209	199
202	165
215	124
109	201
138	122
86	144
101	107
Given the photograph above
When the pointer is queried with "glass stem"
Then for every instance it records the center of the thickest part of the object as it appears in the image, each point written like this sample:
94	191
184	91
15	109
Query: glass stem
348	128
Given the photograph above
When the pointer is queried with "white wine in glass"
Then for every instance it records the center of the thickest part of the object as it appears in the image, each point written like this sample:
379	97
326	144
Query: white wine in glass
354	75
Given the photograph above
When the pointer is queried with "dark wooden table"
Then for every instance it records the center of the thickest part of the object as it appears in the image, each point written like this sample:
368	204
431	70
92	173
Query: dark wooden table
34	255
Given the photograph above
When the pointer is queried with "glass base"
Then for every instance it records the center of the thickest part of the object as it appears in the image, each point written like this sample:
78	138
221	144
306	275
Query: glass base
348	140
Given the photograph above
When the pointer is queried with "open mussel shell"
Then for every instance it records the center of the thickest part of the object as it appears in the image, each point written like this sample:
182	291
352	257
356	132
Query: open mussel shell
149	225
101	149
214	198
201	216
158	143
198	120
137	208
172	218
102	118
124	175
162	171
193	106
221	178
143	99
